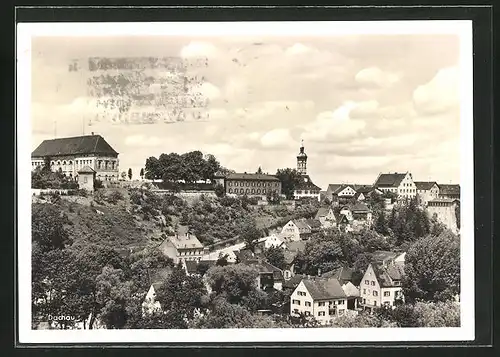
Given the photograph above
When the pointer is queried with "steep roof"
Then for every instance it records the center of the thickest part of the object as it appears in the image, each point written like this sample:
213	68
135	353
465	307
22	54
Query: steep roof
342	274
449	189
365	189
383	255
78	145
387	275
86	170
323	289
322	212
307	184
301	224
265	267
256	177
333	187
183	240
293	281
425	185
360	207
313	223
390	180
350	290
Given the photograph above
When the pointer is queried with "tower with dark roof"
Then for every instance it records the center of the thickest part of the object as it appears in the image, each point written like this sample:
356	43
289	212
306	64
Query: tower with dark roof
302	160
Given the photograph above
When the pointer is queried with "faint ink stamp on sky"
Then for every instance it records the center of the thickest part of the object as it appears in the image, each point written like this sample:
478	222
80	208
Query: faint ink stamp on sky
145	90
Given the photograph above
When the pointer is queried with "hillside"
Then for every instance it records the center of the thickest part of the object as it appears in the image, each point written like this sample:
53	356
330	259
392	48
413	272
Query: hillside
133	218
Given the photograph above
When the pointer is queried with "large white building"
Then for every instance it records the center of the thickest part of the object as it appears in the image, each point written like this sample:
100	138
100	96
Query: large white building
398	183
72	154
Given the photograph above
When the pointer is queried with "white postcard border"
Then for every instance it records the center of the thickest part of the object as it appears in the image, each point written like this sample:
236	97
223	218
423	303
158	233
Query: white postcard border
25	31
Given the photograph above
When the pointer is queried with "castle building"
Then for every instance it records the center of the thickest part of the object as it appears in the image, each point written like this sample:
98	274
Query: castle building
72	154
251	184
306	188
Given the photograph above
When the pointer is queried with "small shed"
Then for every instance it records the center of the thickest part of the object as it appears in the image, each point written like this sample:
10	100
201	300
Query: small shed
86	178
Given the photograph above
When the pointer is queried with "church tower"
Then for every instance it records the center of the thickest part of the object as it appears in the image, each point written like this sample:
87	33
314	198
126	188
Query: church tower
302	160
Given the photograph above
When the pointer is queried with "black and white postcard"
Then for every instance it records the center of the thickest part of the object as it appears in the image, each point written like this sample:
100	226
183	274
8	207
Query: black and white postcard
277	181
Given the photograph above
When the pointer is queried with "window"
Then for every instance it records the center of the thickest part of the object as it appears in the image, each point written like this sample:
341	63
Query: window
258	190
264	190
373	283
341	302
387	293
307	303
296	311
367	282
375	293
301	293
247	191
253	183
364	301
258	184
307	313
364	290
248	184
85	179
321	313
296	302
241	190
321	303
230	191
253	190
374	303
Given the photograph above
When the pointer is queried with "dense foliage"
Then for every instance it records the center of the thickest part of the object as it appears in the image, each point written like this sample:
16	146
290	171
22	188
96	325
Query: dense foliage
189	167
290	178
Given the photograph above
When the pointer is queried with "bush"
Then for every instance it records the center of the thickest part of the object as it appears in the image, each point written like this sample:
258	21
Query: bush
98	184
114	197
99	197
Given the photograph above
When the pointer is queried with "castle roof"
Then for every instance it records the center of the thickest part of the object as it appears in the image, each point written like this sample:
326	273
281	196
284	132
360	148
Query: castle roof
256	177
425	185
390	180
78	145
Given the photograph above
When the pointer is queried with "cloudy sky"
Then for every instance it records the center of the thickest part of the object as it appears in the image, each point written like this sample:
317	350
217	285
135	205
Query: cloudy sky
362	104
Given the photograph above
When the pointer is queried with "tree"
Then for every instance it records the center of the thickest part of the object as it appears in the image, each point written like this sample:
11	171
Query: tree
142	173
182	294
457	215
233	282
290	178
275	256
153	169
47	227
212	166
381	224
202	268
259	170
250	233
123	175
219	190
432	269
222	261
130	174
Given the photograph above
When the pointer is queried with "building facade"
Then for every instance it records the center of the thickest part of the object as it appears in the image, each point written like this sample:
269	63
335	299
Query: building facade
449	191
256	185
183	246
323	299
398	183
74	153
427	191
445	210
381	285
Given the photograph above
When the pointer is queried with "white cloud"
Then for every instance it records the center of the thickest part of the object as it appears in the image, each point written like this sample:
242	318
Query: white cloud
440	94
199	49
277	138
208	90
296	49
376	77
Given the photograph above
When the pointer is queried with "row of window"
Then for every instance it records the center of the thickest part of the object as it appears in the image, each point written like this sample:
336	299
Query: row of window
320	313
367	282
248	191
375	293
301	293
307	192
191	252
321	303
101	164
253	184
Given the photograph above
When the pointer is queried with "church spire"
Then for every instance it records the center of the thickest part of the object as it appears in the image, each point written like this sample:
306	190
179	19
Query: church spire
302	160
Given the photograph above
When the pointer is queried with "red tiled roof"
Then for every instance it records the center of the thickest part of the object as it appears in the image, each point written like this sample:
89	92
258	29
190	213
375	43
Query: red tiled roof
88	144
425	185
323	289
390	180
255	177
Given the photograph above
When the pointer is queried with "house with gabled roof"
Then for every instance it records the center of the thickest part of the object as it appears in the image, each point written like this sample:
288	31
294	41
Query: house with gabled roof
295	230
269	275
382	281
156	278
398	183
427	191
326	217
182	246
342	274
361	212
321	299
292	249
72	154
